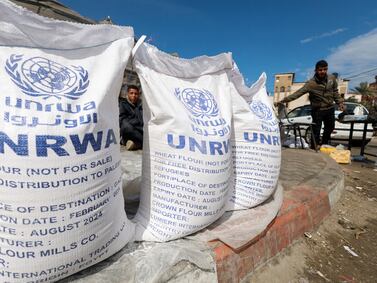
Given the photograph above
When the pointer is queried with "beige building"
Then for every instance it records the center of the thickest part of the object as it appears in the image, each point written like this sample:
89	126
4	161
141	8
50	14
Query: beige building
285	85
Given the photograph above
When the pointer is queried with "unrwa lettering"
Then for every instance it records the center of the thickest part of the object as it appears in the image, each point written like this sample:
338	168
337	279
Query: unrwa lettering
51	107
45	144
262	138
200	146
213	132
32	122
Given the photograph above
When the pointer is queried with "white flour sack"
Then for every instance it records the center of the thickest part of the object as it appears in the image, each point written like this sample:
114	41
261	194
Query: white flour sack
186	151
61	205
256	148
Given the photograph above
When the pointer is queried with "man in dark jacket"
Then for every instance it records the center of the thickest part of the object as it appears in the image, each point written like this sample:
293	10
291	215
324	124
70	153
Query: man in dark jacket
131	118
323	94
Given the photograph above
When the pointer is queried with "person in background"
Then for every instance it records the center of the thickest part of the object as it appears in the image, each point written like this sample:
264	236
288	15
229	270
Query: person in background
323	94
131	118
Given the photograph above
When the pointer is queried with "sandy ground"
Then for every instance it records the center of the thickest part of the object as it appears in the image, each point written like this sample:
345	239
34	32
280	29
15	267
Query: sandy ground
344	248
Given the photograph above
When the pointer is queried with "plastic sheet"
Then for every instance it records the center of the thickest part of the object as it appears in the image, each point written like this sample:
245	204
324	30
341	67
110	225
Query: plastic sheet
238	228
177	261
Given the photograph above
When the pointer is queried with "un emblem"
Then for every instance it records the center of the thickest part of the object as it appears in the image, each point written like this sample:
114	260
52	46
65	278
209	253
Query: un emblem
261	110
199	102
41	77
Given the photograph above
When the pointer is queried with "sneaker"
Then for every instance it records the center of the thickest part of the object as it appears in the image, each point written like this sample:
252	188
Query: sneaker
130	145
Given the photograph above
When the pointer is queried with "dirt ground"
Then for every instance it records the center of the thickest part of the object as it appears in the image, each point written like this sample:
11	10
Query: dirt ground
344	248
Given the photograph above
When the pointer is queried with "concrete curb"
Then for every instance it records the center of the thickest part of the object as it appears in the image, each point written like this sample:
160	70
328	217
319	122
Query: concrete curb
305	205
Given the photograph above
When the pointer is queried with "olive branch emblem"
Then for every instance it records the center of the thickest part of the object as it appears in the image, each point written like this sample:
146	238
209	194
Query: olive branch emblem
46	78
200	103
261	110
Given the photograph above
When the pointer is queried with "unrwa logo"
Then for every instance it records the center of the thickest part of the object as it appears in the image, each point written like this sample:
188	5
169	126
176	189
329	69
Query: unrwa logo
261	110
41	77
200	102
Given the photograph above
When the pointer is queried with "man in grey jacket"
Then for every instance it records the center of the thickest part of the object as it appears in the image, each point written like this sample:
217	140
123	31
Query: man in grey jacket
323	94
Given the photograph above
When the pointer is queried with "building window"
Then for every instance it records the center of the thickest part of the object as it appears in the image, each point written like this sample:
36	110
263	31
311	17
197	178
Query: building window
282	89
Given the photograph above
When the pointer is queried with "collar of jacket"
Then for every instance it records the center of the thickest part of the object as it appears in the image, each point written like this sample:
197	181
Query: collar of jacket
318	80
138	102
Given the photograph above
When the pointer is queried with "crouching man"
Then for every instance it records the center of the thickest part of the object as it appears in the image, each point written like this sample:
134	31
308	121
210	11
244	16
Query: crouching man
131	118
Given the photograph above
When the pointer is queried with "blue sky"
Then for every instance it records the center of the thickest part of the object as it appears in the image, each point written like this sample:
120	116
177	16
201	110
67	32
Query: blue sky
269	36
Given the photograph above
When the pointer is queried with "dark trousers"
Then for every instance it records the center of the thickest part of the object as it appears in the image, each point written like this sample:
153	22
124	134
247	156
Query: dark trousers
129	132
327	117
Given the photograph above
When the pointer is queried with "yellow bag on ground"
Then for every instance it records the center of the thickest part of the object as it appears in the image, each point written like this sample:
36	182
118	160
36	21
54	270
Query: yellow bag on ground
327	149
341	156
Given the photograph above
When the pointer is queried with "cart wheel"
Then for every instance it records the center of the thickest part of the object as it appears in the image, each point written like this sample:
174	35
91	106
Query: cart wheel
308	136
